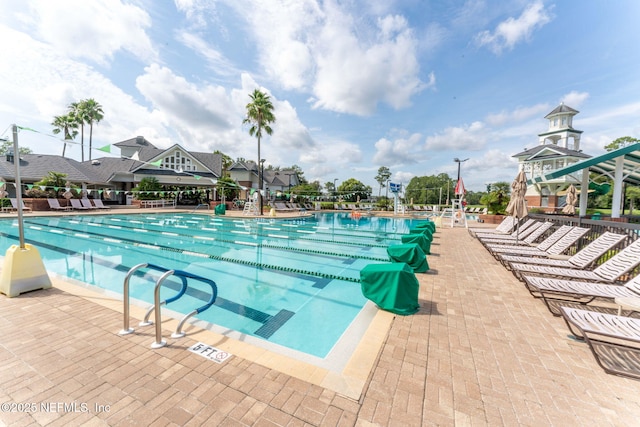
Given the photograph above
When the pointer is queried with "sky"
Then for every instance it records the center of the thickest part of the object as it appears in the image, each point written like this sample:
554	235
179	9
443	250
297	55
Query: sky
356	85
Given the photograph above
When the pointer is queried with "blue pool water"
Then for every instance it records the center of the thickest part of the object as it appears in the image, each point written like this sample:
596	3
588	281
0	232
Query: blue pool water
294	283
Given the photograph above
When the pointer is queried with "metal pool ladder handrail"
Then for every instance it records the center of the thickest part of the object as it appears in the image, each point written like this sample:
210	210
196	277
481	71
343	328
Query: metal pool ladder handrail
157	303
201	204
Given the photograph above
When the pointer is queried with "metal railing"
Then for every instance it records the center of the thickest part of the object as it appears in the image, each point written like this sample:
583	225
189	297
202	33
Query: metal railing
200	205
183	275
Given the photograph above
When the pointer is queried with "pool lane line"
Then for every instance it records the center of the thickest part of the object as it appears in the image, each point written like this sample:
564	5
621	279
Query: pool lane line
228	224
263	245
227	230
221	258
269	323
251	223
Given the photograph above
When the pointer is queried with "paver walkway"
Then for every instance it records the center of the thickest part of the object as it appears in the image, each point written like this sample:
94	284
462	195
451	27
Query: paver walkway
481	351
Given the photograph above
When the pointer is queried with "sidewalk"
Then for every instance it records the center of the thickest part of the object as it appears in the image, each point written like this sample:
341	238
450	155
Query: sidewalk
481	351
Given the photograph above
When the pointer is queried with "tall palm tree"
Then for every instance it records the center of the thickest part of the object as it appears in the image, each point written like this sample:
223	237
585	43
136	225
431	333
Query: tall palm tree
259	116
93	113
78	112
68	125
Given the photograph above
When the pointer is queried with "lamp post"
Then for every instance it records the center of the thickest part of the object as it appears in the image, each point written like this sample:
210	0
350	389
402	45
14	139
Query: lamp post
386	195
457	160
261	183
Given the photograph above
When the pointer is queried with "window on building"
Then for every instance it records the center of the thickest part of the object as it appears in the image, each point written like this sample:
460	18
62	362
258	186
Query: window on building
177	161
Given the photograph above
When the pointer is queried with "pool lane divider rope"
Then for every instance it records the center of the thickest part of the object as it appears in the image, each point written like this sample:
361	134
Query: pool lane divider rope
263	266
365	234
226	229
263	245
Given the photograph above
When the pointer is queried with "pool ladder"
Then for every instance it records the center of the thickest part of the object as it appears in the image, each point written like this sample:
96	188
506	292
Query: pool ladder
183	275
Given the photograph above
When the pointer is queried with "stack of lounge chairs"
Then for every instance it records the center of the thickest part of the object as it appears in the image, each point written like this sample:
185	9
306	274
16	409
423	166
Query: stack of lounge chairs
592	282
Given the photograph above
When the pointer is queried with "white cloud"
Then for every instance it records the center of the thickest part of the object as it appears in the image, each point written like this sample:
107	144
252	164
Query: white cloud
41	83
95	30
189	104
403	177
329	158
575	99
494	166
399	151
515	30
216	60
472	137
354	76
322	49
517	115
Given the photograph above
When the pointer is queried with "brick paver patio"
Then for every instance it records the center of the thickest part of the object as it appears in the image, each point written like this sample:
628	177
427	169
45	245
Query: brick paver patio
481	351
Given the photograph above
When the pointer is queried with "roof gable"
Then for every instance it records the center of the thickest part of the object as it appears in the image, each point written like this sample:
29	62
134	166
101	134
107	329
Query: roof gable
549	150
562	109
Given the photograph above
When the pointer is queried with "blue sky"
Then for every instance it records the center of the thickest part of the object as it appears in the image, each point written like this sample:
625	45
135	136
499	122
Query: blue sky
356	85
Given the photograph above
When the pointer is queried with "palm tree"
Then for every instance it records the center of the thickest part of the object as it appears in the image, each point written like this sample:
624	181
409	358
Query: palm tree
259	115
75	108
68	125
93	114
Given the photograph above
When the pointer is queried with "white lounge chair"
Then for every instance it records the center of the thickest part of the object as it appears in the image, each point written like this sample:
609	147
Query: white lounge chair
75	203
98	204
613	340
280	206
555	292
614	268
512	231
528	237
87	204
581	260
557	243
14	205
54	204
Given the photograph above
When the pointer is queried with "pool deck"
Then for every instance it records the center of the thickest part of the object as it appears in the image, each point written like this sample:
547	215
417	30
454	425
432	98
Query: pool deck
481	351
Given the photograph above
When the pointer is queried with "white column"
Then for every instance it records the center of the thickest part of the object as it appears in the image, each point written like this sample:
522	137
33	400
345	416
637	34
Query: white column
584	191
616	203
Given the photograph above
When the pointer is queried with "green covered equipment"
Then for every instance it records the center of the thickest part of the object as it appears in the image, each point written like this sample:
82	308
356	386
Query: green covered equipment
393	287
420	239
411	254
427	232
427	224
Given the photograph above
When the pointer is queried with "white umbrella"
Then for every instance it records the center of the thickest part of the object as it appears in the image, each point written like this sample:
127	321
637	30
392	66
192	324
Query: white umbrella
3	188
571	200
517	206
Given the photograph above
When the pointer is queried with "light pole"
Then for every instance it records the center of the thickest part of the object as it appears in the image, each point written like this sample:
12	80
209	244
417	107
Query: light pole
457	160
386	195
335	190
261	183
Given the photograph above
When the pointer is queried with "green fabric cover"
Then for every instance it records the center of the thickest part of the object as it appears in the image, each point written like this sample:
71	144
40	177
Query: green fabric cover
425	231
427	224
411	254
393	287
220	209
420	239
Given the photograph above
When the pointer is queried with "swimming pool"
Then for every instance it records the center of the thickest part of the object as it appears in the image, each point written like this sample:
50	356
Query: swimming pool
282	281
